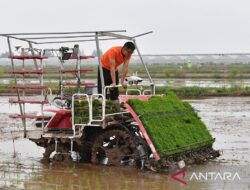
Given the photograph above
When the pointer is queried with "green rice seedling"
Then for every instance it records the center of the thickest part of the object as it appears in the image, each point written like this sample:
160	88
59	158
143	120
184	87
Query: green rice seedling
80	184
97	183
70	183
172	125
88	183
81	109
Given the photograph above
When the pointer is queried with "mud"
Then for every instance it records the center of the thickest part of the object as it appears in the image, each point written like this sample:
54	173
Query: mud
227	118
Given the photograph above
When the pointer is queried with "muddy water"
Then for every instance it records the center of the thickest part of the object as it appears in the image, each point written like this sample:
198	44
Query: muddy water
227	118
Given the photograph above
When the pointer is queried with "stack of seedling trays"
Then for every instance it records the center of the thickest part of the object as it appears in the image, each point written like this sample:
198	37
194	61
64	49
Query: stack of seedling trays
175	129
81	110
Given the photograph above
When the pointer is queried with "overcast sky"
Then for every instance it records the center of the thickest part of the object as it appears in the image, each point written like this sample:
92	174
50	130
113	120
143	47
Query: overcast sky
180	26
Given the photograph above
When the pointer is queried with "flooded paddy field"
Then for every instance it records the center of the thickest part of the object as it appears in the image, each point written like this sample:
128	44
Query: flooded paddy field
171	82
227	118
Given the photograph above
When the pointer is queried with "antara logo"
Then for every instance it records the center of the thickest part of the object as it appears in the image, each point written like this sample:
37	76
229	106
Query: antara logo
182	172
225	176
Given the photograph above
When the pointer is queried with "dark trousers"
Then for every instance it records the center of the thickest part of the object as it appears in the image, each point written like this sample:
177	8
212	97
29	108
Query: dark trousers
114	93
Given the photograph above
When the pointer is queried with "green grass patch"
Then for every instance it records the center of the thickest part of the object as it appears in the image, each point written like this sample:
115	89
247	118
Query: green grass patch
183	92
196	92
172	125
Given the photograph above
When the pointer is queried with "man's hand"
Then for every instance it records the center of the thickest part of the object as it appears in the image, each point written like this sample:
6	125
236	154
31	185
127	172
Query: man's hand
113	86
124	85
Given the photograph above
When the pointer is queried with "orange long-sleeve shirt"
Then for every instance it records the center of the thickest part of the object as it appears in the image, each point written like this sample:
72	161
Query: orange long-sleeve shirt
116	54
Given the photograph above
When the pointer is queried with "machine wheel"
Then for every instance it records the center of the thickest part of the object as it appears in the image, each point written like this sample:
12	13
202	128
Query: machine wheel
114	147
85	151
62	154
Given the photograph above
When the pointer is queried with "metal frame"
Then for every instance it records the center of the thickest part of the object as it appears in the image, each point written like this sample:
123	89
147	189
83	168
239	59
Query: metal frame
96	36
17	90
143	93
104	91
103	108
83	36
133	90
73	111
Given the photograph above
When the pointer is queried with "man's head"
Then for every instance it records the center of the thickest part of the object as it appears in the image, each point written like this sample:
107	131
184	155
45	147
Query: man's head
128	48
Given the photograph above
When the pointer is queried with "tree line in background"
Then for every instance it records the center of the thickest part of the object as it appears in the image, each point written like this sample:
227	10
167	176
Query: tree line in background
4	54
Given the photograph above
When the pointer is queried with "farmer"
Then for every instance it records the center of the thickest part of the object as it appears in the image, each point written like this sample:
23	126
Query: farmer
111	59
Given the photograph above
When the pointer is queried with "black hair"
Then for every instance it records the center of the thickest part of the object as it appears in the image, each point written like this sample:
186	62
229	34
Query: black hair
129	45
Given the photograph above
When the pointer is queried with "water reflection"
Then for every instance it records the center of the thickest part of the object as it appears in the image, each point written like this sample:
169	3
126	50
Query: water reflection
227	119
